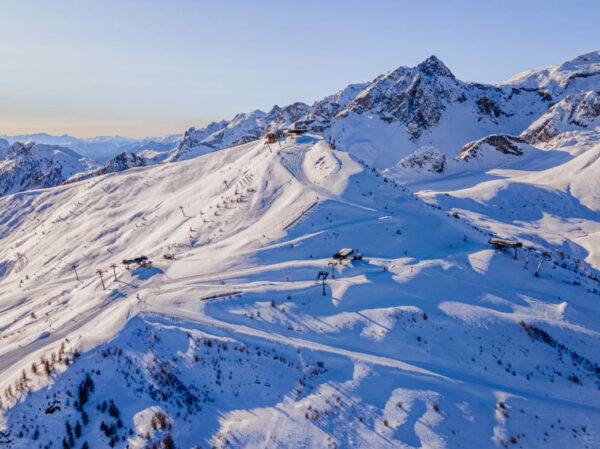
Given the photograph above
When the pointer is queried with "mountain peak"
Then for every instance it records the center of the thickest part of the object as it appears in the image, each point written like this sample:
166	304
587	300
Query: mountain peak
433	66
19	148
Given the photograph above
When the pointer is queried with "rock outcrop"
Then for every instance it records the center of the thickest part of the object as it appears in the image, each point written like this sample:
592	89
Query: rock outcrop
577	111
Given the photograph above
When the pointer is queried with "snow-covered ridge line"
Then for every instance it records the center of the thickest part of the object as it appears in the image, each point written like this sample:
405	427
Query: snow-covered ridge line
423	106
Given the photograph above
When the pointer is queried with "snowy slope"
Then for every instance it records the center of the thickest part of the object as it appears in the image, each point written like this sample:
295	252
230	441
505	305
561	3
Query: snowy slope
434	339
548	197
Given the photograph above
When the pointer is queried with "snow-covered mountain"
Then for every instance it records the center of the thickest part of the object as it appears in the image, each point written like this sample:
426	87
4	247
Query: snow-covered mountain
387	119
574	112
123	161
241	129
30	165
405	112
4	148
577	75
34	165
226	335
102	148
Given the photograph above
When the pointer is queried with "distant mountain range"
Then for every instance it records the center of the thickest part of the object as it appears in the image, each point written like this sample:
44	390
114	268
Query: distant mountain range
41	160
102	148
391	122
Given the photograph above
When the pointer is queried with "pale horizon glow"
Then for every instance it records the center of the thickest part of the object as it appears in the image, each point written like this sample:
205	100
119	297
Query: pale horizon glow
155	67
85	127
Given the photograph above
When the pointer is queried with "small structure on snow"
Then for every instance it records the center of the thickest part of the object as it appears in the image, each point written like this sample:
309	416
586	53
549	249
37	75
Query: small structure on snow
545	256
296	132
331	143
321	277
140	261
502	243
347	254
271	138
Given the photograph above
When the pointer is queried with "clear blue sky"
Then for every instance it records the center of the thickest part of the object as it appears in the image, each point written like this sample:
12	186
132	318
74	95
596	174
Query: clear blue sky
151	67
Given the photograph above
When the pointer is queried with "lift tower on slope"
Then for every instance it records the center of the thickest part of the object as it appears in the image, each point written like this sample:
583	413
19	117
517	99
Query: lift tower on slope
321	277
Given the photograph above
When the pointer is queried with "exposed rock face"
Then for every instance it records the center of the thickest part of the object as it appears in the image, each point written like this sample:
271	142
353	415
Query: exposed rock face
278	118
433	67
121	162
573	112
489	107
426	159
413	97
416	107
503	143
33	166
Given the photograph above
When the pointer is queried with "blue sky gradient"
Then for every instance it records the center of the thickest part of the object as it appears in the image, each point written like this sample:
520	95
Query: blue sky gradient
151	67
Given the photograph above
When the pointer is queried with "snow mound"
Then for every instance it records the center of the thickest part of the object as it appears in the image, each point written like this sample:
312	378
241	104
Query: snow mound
494	148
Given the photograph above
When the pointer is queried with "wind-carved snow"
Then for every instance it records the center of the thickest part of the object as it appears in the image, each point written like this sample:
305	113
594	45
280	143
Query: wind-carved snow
480	261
